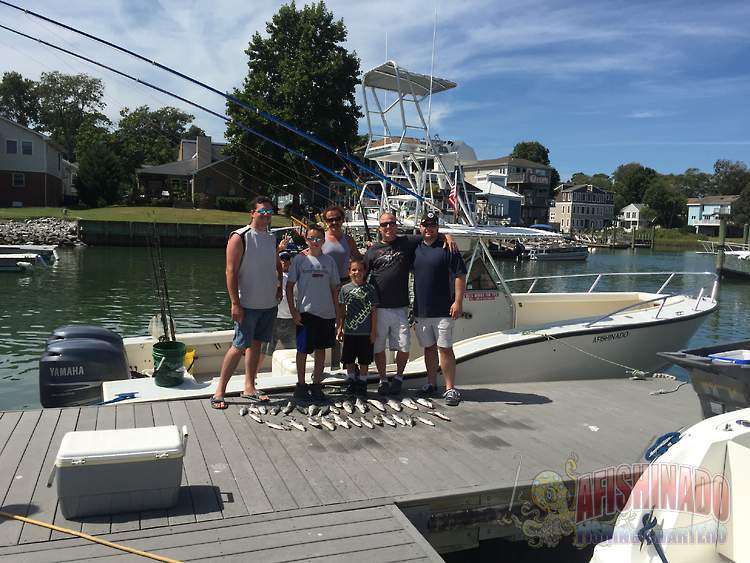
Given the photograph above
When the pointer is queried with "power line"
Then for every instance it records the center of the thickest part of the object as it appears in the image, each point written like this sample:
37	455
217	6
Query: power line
294	152
229	97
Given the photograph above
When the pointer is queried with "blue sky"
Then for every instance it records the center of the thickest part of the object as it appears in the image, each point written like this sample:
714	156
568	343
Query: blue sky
599	83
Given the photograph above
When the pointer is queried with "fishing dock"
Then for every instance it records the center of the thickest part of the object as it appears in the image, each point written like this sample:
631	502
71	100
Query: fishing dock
386	494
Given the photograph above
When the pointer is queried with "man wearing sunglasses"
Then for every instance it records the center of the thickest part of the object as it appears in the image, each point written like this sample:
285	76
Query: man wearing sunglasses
389	263
254	277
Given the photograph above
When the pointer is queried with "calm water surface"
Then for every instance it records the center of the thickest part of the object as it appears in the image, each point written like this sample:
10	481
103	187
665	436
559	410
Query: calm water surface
113	287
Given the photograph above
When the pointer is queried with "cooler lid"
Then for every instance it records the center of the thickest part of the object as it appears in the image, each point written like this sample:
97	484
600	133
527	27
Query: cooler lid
121	446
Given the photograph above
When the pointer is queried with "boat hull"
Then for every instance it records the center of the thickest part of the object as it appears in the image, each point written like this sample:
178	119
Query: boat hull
590	354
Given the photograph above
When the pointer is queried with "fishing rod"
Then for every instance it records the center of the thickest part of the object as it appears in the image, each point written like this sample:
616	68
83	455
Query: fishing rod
264	114
157	284
292	151
160	259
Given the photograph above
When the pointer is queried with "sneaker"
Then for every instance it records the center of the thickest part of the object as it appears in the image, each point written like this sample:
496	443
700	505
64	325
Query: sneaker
427	390
302	392
384	387
350	386
360	388
395	387
316	392
452	397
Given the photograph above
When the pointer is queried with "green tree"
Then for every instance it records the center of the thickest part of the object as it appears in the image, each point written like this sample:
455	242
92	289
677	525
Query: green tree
151	137
741	208
65	100
531	150
18	100
731	178
99	170
598	180
695	183
631	182
665	198
302	73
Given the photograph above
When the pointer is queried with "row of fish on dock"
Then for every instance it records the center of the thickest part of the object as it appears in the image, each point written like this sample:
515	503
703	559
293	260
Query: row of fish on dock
348	414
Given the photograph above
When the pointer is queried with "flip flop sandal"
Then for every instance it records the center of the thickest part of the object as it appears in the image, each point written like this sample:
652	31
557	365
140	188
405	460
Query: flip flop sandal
218	403
257	397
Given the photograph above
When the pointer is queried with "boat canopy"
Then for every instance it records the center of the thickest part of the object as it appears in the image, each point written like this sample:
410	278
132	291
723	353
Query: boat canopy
389	76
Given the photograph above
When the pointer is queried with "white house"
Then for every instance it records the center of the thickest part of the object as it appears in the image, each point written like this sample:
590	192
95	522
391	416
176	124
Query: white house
31	167
630	216
581	207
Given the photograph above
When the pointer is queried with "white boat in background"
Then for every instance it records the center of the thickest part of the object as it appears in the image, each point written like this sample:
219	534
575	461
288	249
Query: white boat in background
736	263
48	252
561	250
707	468
22	262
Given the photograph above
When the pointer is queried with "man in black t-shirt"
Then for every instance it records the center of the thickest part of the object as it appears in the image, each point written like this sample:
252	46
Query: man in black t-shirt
389	263
439	284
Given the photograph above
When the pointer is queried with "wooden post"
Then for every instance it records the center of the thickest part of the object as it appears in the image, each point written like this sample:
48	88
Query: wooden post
746	234
653	235
632	237
722	239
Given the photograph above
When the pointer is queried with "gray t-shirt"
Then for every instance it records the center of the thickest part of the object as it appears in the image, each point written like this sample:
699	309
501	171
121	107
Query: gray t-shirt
358	301
257	277
314	277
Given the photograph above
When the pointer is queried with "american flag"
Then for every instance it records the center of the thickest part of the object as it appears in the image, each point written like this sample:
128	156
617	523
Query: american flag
453	197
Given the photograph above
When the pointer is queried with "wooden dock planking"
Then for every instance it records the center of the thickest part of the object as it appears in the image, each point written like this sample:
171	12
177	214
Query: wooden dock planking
250	487
375	534
274	476
274	488
205	502
44	499
26	475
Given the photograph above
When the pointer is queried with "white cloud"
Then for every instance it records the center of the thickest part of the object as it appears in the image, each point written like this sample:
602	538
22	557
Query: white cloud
649	114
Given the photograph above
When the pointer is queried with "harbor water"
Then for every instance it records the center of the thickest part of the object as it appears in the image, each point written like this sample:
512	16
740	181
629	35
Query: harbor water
113	287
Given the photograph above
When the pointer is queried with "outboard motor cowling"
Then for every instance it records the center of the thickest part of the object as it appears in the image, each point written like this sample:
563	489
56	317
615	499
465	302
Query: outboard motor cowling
75	364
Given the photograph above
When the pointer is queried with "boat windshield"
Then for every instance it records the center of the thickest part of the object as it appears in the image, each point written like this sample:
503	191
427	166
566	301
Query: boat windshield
479	276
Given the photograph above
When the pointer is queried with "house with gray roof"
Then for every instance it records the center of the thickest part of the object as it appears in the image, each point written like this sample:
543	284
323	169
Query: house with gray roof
704	213
530	180
581	207
201	173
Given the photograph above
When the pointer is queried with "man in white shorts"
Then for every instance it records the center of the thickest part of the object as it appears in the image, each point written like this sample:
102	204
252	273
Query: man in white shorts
439	284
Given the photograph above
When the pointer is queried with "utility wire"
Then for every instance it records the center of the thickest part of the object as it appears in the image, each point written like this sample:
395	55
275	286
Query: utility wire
295	152
229	97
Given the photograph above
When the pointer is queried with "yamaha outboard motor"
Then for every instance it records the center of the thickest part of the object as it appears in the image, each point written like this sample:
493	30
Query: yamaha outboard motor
77	359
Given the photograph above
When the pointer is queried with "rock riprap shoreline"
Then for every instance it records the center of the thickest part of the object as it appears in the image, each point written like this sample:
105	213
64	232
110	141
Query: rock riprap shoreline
46	230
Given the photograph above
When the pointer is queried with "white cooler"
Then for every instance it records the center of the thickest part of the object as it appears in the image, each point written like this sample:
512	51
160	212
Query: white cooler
114	471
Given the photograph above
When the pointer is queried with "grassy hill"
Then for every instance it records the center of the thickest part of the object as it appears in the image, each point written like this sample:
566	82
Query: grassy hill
138	214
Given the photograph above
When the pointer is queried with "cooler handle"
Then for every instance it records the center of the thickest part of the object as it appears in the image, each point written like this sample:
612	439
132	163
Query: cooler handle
51	477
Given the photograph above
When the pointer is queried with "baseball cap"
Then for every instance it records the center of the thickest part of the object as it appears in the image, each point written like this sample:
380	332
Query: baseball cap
430	218
289	251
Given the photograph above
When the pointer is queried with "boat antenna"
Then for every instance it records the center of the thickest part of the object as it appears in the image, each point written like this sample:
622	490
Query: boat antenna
264	114
266	138
432	70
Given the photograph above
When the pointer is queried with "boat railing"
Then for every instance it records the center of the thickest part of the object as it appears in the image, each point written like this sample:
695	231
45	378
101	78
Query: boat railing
598	277
712	246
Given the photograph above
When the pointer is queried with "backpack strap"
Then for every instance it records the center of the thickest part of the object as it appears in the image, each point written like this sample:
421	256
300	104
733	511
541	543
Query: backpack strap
241	233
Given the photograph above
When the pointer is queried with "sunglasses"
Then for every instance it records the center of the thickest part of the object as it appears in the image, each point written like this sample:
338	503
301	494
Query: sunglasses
315	239
334	219
264	211
388	224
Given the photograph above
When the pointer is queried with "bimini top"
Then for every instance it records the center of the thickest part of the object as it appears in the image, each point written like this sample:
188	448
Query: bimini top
389	76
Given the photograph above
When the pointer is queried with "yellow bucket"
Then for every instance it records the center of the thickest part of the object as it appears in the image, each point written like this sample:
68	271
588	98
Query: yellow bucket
189	360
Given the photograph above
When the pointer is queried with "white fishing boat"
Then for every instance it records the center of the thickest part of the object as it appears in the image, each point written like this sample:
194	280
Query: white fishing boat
690	505
48	252
736	263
